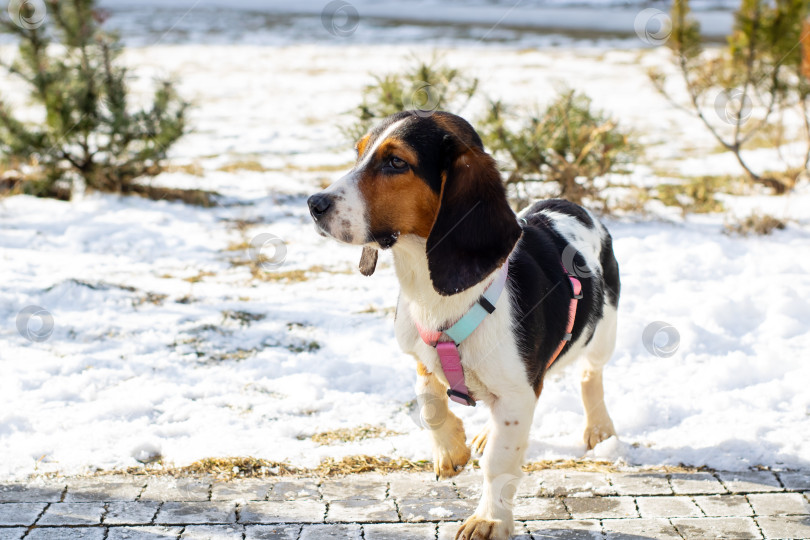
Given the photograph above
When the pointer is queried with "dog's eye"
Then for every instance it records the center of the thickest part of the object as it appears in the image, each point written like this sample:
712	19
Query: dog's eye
397	164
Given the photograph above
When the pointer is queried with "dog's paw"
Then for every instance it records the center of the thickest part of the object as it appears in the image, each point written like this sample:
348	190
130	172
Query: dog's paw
480	440
450	450
476	528
597	433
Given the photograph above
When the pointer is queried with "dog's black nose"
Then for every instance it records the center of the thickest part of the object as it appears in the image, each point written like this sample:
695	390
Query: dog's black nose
319	204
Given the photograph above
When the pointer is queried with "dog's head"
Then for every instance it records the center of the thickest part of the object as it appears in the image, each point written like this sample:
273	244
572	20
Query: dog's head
429	176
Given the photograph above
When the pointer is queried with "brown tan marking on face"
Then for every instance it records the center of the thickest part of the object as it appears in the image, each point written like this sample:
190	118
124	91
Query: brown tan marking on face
399	202
361	145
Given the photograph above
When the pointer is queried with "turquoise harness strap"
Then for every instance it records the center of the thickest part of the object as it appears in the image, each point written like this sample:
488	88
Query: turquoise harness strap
485	305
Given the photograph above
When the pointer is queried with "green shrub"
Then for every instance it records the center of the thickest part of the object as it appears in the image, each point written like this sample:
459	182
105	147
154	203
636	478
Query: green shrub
569	144
89	131
738	90
428	86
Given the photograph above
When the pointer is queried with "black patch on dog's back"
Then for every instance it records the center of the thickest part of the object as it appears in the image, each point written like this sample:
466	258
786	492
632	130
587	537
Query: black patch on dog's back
542	291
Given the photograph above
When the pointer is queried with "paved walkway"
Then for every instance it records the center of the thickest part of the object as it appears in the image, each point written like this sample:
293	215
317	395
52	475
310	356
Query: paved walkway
550	504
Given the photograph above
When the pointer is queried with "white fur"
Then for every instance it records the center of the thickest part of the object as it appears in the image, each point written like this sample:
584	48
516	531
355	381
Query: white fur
493	370
348	220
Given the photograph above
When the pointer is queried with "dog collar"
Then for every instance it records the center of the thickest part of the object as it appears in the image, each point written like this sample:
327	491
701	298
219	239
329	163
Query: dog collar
462	329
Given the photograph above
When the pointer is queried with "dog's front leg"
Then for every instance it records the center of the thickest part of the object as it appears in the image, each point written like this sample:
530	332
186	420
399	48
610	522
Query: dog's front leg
508	438
450	451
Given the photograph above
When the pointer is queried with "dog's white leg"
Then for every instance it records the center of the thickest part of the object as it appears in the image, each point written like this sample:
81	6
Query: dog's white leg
598	425
450	451
507	441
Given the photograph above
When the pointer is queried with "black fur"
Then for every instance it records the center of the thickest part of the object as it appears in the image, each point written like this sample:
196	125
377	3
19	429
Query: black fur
542	291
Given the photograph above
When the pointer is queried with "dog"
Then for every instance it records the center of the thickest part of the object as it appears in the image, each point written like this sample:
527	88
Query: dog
490	301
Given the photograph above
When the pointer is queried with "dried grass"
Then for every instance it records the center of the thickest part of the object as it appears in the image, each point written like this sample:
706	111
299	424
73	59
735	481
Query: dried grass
354	434
755	223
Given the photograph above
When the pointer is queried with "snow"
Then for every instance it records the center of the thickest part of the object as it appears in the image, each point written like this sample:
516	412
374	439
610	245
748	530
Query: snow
228	365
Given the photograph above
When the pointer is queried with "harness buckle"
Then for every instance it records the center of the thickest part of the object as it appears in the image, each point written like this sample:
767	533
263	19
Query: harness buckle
453	393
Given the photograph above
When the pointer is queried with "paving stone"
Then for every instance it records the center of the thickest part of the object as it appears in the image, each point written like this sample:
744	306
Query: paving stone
331	532
272	532
196	513
724	505
748	481
541	508
94	490
738	528
304	511
12	534
212	532
31	492
361	511
640	484
793	481
244	490
176	489
419	486
556	483
797	527
415	511
468	484
568	530
295	489
667	507
360	487
776	504
72	514
153	532
399	531
57	533
700	483
636	529
131	513
601	507
447	531
24	514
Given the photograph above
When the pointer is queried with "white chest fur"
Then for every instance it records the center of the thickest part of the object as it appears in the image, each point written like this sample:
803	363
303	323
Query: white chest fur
489	356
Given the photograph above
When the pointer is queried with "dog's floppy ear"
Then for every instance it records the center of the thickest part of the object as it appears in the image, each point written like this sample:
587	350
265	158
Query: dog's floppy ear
475	230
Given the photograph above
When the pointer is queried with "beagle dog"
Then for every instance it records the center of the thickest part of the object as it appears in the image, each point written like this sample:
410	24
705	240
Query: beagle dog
490	301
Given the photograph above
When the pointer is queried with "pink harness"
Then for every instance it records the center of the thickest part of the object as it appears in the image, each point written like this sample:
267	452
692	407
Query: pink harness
447	341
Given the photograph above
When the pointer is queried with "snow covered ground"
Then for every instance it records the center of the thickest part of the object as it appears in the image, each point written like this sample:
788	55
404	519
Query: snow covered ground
161	336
